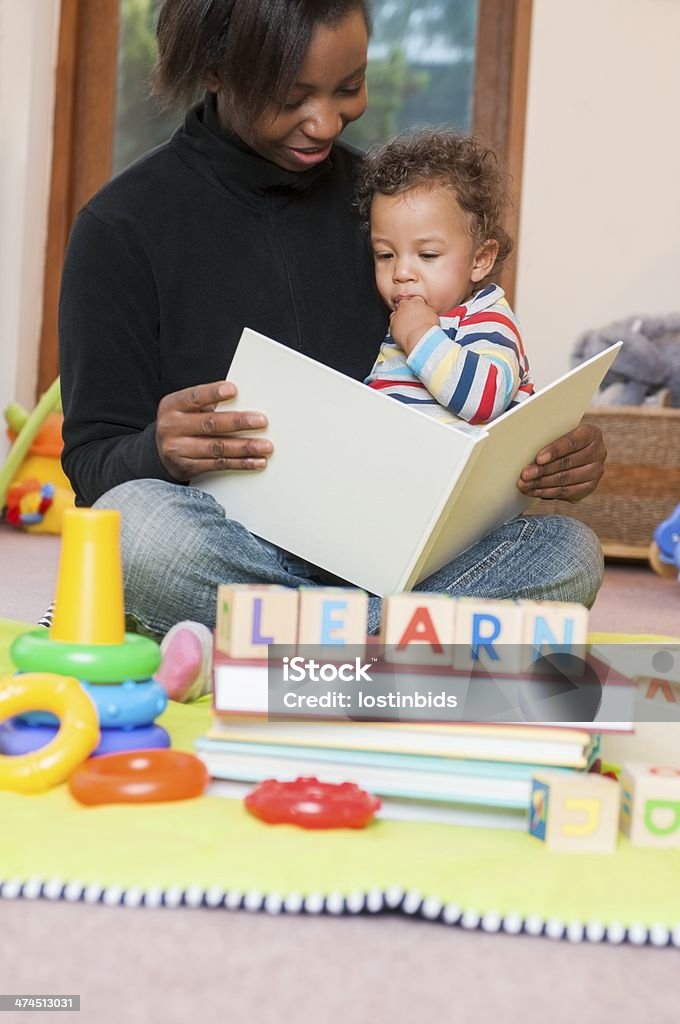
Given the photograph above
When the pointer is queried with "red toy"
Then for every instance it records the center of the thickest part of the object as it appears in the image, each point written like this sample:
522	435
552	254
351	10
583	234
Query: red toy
312	804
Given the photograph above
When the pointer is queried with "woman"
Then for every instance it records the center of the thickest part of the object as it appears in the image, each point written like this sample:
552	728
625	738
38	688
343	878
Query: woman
244	218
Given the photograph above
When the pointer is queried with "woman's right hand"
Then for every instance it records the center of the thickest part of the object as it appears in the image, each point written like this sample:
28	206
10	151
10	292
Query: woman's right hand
193	438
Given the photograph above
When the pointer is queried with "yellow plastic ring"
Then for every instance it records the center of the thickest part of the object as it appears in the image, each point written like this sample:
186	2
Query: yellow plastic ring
136	658
73	744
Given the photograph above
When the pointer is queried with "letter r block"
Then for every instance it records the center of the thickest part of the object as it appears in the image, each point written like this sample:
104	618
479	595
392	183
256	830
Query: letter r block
250	617
650	804
488	635
574	812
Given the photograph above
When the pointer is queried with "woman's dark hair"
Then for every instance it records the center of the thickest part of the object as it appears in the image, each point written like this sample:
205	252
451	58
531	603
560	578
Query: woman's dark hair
444	159
256	46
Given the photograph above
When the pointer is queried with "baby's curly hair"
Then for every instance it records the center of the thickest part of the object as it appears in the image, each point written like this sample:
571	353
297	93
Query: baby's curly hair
441	158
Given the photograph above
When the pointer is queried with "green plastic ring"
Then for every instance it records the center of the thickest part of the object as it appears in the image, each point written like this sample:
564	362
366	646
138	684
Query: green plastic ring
136	658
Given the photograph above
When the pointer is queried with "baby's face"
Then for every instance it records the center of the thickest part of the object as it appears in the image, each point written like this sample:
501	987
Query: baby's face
422	246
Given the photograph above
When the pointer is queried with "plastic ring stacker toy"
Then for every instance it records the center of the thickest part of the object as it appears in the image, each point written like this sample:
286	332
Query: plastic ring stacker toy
135	777
125	705
312	804
137	657
16	737
75	741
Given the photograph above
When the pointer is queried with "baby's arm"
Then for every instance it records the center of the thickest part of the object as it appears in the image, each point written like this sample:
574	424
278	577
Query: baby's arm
389	362
477	375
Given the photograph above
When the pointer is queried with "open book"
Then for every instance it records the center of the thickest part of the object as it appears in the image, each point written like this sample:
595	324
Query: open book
370	489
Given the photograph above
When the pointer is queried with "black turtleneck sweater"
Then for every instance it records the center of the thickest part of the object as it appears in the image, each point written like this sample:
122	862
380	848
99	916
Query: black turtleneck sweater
173	258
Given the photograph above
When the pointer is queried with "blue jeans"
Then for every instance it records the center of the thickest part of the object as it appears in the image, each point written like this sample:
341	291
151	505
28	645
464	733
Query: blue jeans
177	545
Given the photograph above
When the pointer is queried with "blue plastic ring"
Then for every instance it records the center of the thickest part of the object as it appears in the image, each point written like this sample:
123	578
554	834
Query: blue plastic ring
127	705
18	738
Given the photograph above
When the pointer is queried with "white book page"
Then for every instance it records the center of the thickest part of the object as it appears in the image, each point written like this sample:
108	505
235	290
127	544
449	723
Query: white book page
357	480
489	496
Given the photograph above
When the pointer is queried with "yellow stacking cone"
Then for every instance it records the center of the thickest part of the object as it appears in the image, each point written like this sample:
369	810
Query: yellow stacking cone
89	605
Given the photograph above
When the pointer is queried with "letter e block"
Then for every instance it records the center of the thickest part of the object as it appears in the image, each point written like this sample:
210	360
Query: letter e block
332	617
418	629
650	804
250	617
574	812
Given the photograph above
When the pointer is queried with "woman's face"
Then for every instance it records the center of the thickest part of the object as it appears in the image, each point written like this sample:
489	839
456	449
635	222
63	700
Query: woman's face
329	93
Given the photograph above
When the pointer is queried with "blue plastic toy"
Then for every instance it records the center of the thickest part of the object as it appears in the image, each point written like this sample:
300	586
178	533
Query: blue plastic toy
664	553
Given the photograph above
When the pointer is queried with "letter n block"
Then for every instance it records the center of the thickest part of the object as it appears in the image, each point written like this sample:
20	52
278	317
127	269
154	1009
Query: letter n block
552	627
650	804
250	617
418	629
333	616
575	812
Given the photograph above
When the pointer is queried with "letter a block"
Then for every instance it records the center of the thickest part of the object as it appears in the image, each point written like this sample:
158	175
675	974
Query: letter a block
250	617
574	812
418	628
650	804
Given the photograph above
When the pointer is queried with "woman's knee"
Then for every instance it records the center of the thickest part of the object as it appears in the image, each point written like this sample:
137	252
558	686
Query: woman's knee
577	557
584	540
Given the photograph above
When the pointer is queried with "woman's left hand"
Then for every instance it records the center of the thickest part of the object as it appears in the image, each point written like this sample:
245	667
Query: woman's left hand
569	468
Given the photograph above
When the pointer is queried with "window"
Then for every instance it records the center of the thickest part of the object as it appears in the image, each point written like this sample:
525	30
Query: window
421	71
462	62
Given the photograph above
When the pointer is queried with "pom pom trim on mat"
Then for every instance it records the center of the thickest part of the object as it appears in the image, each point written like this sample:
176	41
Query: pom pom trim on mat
375	901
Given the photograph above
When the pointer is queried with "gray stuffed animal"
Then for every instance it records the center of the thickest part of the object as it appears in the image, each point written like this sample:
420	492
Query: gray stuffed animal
647	365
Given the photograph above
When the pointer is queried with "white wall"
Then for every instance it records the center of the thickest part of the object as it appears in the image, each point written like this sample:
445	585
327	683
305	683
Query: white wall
600	216
28	51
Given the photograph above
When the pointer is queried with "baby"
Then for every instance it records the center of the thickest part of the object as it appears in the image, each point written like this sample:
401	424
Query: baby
434	200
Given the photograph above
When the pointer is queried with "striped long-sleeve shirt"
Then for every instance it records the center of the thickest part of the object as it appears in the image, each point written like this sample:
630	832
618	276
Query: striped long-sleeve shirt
472	367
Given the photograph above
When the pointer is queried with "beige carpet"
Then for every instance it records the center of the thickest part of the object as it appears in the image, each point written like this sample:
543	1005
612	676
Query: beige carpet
203	965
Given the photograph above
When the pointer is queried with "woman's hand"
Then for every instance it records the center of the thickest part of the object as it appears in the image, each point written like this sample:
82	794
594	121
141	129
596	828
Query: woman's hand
192	437
412	319
569	468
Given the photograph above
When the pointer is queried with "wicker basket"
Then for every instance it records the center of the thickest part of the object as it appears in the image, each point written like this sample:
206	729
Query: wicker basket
641	483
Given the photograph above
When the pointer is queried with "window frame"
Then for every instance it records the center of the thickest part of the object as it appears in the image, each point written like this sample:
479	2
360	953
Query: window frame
84	122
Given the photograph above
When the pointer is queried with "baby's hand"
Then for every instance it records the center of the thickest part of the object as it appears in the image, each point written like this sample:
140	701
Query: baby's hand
410	321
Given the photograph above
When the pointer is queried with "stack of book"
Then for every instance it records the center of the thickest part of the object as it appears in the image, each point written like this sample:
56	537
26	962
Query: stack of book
451	773
458	773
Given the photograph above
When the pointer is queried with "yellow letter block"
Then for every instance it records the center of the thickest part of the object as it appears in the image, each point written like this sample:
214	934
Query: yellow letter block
574	812
650	804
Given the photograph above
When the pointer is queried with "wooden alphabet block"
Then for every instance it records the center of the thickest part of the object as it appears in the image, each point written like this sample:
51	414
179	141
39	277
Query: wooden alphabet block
650	804
658	692
554	627
488	635
250	617
574	812
332	616
418	629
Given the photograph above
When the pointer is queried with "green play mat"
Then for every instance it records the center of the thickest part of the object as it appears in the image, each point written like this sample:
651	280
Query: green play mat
210	852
